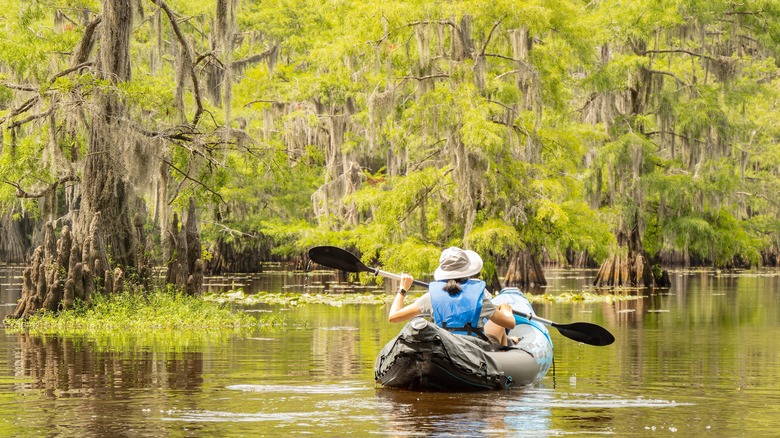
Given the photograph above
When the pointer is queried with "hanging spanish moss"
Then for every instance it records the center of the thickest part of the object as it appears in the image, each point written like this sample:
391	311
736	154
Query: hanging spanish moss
327	200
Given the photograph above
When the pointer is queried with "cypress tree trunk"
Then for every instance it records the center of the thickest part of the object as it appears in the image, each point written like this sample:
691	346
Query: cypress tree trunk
14	242
104	189
630	266
63	270
580	259
185	267
524	270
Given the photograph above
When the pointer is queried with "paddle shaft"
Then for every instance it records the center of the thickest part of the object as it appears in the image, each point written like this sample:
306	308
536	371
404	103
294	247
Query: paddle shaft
397	277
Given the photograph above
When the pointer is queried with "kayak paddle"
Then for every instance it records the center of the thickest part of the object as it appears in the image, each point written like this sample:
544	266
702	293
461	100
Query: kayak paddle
341	259
334	257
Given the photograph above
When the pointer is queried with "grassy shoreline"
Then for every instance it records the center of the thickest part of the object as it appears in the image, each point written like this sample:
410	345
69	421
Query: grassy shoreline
155	311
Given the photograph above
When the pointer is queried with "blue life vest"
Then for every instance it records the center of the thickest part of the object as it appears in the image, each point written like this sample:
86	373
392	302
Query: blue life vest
459	313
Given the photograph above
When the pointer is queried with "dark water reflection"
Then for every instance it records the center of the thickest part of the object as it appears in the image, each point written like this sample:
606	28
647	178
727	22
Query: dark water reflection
700	359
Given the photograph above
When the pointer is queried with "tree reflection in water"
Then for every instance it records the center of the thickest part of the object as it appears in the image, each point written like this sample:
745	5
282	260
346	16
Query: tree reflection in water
81	367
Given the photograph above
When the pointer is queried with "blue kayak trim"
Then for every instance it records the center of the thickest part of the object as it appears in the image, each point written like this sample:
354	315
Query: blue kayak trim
519	319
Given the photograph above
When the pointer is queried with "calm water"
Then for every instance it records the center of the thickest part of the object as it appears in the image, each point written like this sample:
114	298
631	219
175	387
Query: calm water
701	359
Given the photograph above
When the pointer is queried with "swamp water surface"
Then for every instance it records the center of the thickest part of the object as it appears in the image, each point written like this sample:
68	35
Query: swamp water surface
699	359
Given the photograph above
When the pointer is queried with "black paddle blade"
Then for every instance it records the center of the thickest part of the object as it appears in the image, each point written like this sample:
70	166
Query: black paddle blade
586	333
334	257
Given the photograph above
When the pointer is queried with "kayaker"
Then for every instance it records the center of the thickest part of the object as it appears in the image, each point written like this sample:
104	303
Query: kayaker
456	301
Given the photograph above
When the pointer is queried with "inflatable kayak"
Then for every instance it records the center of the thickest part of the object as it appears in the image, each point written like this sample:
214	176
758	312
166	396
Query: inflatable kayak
426	357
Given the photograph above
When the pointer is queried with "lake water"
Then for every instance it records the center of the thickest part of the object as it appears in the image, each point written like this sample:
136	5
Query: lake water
699	359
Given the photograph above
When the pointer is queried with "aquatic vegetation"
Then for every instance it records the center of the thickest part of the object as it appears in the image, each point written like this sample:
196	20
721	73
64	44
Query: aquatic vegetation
587	297
134	313
295	299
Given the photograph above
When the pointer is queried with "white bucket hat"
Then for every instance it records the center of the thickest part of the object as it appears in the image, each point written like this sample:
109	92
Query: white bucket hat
457	263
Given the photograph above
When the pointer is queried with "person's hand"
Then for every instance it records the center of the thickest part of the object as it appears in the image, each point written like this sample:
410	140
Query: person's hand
505	308
406	281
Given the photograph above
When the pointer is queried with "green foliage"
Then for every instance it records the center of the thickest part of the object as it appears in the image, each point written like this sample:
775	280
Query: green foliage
494	237
609	114
411	256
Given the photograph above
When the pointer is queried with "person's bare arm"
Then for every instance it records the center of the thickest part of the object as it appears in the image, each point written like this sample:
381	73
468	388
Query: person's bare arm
403	314
398	312
504	316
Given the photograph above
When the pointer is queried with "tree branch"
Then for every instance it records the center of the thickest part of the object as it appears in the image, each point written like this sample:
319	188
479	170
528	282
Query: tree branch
28	119
21	109
420	197
490	35
184	174
661	72
188	59
242	63
509	58
21	193
757	195
685	51
230	230
423	78
81	54
435	151
275	102
20	87
70	70
507	73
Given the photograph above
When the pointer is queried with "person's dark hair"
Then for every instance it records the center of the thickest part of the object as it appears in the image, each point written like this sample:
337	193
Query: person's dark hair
453	286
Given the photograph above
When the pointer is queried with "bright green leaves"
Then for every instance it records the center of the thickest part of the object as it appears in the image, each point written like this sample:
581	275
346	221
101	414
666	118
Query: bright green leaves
701	113
613	75
622	21
719	237
31	36
494	236
410	256
477	131
398	205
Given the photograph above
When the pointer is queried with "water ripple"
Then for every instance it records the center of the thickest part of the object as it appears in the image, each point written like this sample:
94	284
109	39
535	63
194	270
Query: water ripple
295	389
220	416
602	401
